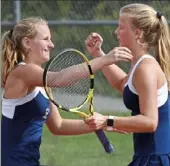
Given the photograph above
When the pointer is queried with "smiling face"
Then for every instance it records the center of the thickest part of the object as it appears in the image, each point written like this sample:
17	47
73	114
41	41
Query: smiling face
39	47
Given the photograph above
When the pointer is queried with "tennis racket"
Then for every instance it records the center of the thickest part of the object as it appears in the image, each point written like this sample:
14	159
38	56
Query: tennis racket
69	83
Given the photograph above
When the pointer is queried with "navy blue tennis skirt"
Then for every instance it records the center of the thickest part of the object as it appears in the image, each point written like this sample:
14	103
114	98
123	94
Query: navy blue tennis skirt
160	160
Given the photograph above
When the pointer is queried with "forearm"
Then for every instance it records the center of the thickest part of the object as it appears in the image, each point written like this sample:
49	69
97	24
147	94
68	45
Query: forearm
135	124
72	74
73	127
114	74
67	76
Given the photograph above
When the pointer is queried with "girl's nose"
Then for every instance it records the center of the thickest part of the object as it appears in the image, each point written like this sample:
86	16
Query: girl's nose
51	45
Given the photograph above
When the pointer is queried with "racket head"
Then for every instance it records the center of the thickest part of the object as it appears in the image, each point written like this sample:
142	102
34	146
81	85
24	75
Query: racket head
84	86
87	92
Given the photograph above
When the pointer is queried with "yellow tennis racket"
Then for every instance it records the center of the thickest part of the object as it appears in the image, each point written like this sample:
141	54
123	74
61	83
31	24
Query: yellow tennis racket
74	88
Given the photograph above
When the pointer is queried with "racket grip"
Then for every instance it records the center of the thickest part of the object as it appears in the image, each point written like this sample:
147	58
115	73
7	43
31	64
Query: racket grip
105	142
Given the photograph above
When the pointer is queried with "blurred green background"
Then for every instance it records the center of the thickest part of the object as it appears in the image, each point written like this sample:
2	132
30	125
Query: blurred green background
72	21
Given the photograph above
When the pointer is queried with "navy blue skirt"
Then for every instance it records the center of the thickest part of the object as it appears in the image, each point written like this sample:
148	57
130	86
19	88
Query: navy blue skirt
159	160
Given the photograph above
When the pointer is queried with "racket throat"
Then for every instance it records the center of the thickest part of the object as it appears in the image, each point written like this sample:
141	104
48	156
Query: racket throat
81	114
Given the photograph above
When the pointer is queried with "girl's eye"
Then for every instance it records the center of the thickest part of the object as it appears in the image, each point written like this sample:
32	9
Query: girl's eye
46	38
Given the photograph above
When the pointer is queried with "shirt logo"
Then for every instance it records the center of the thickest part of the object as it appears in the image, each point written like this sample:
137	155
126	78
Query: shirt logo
46	113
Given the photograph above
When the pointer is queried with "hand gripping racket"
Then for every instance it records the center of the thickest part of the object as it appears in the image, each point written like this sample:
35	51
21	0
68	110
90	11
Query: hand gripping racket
71	82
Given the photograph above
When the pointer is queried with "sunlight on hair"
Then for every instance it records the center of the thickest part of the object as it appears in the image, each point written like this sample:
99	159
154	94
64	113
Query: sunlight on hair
13	51
156	32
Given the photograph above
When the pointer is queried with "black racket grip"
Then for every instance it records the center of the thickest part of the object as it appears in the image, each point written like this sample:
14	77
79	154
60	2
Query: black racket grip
105	142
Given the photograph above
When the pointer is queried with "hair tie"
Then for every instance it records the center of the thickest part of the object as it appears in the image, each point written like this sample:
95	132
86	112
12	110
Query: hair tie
10	33
159	15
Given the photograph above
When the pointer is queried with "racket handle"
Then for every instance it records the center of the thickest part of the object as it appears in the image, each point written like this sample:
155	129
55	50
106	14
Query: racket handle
105	142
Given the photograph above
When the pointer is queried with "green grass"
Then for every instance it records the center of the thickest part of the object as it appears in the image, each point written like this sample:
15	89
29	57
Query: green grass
85	150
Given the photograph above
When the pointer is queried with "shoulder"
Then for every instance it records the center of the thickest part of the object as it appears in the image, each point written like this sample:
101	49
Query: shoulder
147	67
30	74
149	63
149	74
24	70
146	75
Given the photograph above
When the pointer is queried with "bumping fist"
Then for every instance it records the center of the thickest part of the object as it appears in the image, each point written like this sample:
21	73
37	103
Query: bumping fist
93	44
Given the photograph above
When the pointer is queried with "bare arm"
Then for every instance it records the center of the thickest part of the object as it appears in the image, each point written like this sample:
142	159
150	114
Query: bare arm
114	74
32	74
72	74
146	86
59	126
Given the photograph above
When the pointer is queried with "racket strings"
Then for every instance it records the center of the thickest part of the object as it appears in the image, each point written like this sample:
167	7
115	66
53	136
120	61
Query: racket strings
74	75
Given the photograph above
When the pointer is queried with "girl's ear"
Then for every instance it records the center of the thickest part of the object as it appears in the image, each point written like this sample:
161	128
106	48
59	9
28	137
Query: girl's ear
26	43
138	34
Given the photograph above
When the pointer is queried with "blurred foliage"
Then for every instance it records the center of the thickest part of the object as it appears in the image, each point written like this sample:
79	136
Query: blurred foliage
65	36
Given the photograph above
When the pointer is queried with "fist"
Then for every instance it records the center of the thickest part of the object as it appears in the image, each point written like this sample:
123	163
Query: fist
93	44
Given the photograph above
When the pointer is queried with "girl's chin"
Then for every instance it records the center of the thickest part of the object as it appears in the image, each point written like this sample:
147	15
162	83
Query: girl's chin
45	59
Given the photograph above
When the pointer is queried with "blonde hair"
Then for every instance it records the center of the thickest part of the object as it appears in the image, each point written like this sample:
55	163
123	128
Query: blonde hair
12	49
156	32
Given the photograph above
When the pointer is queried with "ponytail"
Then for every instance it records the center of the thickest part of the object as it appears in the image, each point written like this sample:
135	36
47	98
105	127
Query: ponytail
163	50
10	55
156	32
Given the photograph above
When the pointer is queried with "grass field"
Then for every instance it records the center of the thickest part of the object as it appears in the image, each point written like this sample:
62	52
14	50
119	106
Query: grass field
85	150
